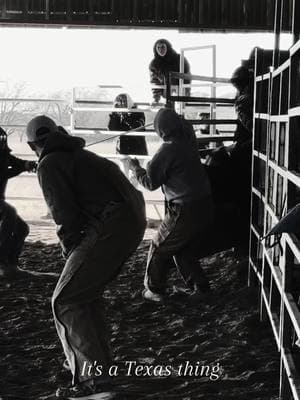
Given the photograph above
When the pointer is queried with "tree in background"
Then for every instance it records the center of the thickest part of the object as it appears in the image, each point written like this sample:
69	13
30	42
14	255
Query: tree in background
16	110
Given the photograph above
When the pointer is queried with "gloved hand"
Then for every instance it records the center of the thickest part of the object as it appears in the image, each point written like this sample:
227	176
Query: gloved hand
31	166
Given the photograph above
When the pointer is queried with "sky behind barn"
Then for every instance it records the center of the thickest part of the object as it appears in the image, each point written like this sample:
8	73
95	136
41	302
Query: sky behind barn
53	59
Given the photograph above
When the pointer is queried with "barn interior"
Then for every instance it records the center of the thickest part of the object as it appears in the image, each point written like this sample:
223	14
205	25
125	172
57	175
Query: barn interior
250	330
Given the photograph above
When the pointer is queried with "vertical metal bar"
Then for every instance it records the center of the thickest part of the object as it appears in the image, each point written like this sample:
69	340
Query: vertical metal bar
213	88
181	91
72	119
296	21
277	30
168	90
285	323
252	166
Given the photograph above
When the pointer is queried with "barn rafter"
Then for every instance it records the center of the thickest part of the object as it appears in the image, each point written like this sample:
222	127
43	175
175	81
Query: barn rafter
193	15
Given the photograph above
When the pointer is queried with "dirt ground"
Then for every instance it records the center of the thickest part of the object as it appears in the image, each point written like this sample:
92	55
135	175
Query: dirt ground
226	330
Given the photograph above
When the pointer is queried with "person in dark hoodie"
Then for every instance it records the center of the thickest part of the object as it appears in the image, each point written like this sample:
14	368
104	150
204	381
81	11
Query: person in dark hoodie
13	230
101	220
165	60
176	167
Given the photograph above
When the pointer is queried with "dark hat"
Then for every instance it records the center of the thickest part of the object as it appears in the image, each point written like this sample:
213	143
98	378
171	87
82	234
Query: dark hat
39	128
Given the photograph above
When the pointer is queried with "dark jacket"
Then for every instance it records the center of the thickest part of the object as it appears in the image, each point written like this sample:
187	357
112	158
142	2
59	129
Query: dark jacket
125	121
160	67
243	80
78	185
10	167
176	166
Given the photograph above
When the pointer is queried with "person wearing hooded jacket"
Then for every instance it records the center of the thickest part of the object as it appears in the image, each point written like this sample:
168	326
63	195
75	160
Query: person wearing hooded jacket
100	218
165	60
177	168
13	229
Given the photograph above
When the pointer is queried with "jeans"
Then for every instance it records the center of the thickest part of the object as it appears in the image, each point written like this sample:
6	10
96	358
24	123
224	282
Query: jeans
77	300
174	244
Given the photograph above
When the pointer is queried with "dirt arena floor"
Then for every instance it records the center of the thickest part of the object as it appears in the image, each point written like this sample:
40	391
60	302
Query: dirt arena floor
225	333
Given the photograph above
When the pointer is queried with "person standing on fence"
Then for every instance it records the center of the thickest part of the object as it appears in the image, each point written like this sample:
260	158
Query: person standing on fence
125	121
176	167
165	60
13	230
101	220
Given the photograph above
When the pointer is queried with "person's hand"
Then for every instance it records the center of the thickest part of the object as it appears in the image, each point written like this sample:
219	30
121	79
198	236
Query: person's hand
31	166
133	163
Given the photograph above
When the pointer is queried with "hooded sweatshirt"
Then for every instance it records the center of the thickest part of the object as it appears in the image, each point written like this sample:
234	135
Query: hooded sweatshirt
160	67
78	185
176	167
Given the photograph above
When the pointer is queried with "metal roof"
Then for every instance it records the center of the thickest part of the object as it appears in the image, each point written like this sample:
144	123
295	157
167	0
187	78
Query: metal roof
194	15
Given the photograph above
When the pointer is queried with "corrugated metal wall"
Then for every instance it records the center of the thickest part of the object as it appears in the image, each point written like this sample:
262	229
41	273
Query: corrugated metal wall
242	15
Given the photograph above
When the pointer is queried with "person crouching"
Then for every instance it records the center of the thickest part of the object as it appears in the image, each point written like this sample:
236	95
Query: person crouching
101	220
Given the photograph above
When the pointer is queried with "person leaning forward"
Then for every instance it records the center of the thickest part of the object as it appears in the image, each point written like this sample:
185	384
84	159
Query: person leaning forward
101	220
176	167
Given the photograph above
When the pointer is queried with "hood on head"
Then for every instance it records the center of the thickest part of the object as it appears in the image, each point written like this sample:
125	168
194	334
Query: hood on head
169	47
169	125
62	141
129	101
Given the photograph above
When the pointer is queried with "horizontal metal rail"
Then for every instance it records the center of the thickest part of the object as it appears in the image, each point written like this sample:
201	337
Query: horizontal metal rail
221	100
213	121
180	75
26	99
113	109
206	104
